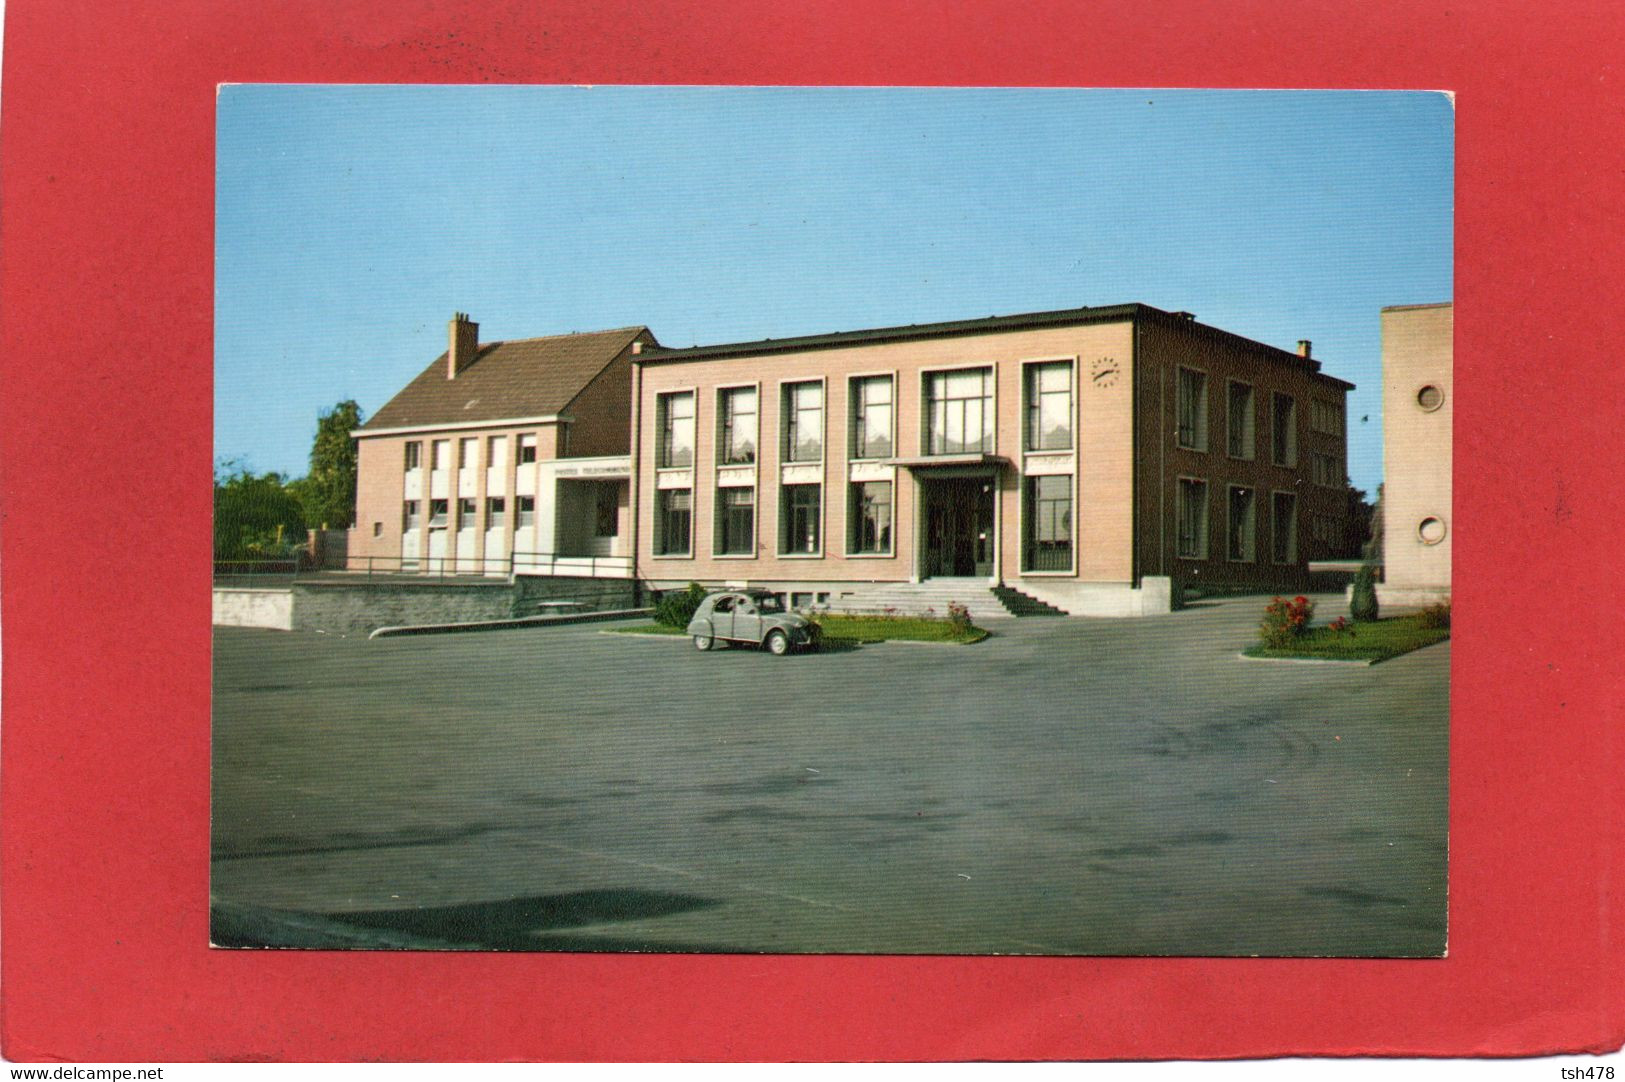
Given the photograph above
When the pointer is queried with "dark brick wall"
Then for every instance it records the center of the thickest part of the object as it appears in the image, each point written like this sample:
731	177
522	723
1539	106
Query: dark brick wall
350	607
362	606
594	595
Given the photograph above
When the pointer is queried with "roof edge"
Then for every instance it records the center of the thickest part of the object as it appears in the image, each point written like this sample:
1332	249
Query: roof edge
835	340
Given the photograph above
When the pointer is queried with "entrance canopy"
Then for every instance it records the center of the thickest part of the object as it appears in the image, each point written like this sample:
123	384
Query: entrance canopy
928	463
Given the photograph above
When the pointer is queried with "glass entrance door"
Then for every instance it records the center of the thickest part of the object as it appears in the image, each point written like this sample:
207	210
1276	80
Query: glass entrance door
959	527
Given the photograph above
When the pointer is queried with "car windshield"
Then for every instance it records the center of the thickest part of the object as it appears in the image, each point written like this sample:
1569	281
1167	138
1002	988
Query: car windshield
769	603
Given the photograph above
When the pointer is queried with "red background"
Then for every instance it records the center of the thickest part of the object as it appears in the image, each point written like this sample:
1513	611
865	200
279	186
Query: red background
108	123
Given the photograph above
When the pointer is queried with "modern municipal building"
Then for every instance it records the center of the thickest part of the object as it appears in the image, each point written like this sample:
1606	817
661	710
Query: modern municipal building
1095	459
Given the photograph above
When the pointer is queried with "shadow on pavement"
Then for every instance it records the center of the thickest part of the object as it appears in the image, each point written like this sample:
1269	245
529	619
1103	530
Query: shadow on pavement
510	924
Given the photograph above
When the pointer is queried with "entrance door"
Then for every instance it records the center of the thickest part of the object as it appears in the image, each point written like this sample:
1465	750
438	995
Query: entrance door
959	527
437	550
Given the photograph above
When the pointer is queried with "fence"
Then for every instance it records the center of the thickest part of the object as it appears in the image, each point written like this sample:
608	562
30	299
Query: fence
283	572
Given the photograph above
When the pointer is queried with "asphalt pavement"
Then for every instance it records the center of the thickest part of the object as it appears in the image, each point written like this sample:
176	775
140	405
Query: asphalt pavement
1068	786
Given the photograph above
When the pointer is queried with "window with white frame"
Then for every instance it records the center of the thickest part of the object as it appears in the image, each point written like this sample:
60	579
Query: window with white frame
439	510
737	416
411	515
439	455
869	518
1284	527
674	515
527	449
1284	430
1192	513
674	414
736	522
414	455
802	408
1192	409
467	449
1048	523
1241	525
872	417
800	509
496	511
959	411
524	509
1049	406
1242	434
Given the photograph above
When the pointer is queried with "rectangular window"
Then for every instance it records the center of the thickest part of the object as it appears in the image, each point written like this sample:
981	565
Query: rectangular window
414	455
1239	421
959	411
439	454
736	522
466	450
872	417
411	515
1284	430
465	510
1241	526
1192	519
1049	523
527	449
870	518
803	411
1326	417
737	415
1284	527
674	414
1192	409
496	452
1049	406
438	511
1325	470
496	511
674	512
524	508
799	514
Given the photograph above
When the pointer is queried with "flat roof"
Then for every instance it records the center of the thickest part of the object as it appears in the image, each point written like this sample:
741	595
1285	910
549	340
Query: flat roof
1113	313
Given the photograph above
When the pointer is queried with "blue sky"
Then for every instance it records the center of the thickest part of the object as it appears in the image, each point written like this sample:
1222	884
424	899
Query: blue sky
352	221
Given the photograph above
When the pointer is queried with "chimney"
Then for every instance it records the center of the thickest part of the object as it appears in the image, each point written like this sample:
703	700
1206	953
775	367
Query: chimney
1303	347
464	334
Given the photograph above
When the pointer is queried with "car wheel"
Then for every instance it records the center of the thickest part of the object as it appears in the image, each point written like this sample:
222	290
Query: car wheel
705	641
778	643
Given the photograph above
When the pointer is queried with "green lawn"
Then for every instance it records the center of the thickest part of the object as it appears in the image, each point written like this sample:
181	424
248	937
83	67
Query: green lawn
851	630
880	628
1372	642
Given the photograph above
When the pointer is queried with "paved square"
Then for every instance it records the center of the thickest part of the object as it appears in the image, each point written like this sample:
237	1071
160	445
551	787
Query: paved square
1066	787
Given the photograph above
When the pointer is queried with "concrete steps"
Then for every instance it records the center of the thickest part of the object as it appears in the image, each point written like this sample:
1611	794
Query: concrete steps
933	596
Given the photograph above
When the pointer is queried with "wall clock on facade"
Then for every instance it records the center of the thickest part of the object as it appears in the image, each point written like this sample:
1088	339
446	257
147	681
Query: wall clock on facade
1104	371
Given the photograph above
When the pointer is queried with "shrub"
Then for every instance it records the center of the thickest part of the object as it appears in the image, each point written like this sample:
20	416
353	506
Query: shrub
1285	620
1363	601
959	616
677	607
1434	616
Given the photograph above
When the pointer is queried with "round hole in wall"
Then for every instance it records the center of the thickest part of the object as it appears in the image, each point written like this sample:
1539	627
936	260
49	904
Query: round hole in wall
1430	530
1430	397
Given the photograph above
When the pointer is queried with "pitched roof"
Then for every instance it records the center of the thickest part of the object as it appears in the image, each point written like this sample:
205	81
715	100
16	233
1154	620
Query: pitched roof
528	377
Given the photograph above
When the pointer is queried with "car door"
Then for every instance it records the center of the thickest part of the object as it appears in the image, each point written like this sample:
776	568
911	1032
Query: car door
722	617
747	624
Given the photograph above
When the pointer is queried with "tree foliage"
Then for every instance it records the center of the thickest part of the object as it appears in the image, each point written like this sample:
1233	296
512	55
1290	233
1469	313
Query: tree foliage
256	516
328	491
